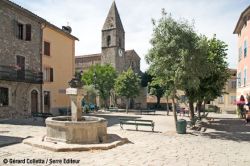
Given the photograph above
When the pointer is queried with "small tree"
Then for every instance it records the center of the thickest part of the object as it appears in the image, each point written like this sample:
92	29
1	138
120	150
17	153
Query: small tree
157	89
212	85
127	85
102	78
176	57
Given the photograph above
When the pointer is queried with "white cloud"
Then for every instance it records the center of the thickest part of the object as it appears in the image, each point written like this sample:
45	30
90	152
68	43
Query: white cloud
87	18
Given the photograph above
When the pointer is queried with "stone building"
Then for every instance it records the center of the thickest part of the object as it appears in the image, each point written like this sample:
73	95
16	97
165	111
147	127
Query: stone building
242	30
33	74
20	61
114	53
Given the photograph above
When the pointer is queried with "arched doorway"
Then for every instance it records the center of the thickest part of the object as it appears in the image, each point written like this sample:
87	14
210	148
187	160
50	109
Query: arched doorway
34	101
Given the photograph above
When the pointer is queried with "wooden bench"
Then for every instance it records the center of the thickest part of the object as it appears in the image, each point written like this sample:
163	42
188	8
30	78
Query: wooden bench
147	111
113	109
136	122
41	115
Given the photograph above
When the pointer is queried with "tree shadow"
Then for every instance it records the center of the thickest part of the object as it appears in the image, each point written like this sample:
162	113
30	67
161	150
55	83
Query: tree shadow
227	129
9	140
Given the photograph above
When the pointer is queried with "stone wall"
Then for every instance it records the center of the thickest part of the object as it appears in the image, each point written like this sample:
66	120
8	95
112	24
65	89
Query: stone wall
19	99
11	46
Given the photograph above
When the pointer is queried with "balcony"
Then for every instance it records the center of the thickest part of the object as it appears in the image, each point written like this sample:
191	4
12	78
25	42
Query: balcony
13	73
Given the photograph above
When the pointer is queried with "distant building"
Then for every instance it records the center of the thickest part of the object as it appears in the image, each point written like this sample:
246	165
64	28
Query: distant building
227	102
242	29
114	53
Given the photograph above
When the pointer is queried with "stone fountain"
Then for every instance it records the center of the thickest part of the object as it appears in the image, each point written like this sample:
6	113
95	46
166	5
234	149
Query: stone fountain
76	132
76	129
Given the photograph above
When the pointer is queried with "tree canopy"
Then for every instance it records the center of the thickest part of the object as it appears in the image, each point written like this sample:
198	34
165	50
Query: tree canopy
102	77
127	85
177	55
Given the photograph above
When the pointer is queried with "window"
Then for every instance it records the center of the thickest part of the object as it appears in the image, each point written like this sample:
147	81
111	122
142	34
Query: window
221	100
4	96
108	41
245	77
28	32
240	53
48	74
245	48
233	100
20	31
239	80
47	48
233	84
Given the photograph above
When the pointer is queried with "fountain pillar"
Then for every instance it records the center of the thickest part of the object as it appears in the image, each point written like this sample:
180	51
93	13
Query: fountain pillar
76	96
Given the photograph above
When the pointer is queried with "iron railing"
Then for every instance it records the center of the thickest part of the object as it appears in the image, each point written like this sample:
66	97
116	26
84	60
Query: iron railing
12	73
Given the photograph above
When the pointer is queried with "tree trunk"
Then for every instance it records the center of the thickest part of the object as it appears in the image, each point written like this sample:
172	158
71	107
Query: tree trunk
204	108
127	105
174	112
158	101
167	107
199	105
191	108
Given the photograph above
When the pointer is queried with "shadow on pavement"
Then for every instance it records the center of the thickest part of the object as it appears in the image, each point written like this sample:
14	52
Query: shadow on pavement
24	121
9	140
228	129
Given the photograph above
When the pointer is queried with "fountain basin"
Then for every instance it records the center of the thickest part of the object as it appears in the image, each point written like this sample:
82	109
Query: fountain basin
90	130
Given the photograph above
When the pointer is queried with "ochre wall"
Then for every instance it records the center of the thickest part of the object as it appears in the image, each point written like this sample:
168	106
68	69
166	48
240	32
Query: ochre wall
61	59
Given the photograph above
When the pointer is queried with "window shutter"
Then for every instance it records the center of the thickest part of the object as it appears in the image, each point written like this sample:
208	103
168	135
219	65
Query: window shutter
51	75
28	32
15	27
46	48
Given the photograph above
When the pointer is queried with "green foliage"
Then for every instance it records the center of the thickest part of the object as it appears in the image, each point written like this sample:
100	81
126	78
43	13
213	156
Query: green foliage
127	84
157	88
212	85
102	77
146	78
175	55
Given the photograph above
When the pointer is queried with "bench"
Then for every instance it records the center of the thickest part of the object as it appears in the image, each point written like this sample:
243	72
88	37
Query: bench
113	109
41	115
147	111
136	122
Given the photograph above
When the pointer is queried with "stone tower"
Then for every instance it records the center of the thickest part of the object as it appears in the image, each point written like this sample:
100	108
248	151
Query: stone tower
113	40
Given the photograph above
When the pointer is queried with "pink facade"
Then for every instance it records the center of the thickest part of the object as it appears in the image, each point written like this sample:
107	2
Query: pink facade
242	29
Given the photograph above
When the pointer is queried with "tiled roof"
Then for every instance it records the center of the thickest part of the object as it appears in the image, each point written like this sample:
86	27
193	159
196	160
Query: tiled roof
38	18
113	19
242	19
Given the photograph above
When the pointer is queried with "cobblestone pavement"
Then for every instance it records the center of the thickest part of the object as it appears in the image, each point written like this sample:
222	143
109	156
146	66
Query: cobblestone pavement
225	141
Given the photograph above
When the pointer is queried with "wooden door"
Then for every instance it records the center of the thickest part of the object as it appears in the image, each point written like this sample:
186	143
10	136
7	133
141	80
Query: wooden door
34	101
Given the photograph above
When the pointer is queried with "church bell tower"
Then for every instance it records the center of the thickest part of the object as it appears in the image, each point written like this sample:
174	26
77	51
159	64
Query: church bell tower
113	40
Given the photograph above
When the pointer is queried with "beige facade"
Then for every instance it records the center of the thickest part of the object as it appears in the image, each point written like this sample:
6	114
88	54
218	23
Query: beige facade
227	102
58	61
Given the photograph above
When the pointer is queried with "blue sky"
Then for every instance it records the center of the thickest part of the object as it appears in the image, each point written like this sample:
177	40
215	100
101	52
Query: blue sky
86	17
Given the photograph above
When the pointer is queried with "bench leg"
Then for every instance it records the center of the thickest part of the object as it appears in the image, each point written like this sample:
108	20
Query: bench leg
136	126
153	128
121	126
